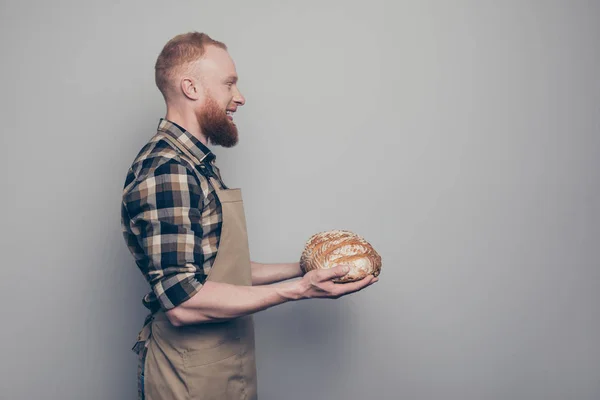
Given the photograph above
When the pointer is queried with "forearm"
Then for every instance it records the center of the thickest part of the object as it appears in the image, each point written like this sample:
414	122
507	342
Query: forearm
264	274
216	302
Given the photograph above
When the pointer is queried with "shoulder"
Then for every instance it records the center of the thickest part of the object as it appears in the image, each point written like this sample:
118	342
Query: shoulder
159	163
158	157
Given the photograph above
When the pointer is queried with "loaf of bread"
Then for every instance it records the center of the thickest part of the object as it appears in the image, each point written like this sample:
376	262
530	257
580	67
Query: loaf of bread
336	247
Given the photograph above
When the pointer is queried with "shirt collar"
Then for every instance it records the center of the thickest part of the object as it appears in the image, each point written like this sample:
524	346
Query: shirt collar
196	147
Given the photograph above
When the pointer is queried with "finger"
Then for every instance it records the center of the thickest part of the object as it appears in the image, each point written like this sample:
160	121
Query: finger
357	285
332	273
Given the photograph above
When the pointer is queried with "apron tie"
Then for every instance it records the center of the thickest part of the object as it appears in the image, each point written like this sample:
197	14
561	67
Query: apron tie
143	335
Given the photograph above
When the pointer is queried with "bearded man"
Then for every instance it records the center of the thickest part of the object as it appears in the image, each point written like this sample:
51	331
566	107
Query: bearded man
187	233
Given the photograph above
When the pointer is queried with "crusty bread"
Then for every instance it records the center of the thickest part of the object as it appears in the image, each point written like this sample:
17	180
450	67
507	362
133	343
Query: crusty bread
335	247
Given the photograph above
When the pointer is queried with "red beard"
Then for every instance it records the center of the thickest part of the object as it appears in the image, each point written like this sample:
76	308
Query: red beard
216	126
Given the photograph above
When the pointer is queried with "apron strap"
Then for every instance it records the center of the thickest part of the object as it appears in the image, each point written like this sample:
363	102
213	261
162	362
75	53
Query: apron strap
192	157
181	147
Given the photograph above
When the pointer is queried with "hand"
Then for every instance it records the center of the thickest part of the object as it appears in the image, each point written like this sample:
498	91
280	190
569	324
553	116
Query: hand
319	283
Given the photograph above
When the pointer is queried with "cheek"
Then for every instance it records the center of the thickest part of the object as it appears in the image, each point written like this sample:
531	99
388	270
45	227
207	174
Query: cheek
223	100
224	94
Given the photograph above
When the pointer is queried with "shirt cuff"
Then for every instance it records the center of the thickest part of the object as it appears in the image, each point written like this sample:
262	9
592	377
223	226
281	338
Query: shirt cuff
176	289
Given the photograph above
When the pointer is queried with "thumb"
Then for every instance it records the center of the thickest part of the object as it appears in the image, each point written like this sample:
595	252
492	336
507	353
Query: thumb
336	272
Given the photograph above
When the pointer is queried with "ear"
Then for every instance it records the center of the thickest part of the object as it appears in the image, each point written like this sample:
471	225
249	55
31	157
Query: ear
190	88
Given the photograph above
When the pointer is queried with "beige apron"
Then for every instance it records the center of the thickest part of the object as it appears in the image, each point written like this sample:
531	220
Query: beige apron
212	360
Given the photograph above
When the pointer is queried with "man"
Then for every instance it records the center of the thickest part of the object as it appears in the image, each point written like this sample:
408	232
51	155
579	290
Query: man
187	233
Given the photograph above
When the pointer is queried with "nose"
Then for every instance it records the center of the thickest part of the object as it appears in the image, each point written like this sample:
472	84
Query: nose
238	98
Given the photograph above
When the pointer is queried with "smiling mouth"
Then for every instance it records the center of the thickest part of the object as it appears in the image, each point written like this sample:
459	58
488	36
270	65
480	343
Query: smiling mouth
229	114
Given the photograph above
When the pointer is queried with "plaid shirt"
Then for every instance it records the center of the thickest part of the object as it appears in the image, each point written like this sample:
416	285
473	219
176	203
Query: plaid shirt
171	217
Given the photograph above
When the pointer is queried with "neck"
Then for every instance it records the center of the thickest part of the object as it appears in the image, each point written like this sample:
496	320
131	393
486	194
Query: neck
186	120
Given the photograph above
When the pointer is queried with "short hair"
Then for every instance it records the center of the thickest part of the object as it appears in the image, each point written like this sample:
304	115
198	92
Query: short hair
179	52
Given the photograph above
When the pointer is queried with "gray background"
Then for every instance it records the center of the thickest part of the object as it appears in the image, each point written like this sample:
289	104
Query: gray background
461	138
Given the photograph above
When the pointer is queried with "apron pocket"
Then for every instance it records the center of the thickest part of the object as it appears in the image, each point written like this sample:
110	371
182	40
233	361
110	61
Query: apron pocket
215	373
201	357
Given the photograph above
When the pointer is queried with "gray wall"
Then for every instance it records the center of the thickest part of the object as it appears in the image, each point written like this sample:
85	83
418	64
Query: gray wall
461	138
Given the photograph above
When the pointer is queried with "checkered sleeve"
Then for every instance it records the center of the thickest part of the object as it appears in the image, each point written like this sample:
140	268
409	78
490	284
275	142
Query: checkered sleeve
165	211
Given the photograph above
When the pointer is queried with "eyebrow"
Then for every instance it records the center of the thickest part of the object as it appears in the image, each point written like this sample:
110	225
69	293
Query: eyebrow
232	78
